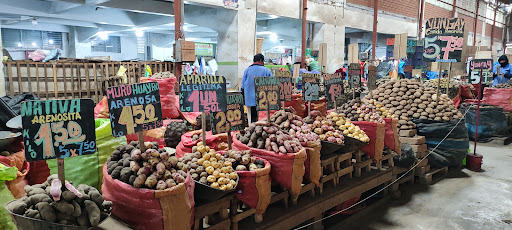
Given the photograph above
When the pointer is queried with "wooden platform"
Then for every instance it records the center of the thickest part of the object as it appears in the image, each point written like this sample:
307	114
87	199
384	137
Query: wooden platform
278	217
217	213
433	176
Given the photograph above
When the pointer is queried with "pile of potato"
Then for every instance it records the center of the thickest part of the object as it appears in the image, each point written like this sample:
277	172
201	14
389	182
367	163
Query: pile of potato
243	160
209	168
356	110
265	135
294	125
409	100
49	201
383	80
173	133
333	126
503	86
162	75
444	83
154	168
380	109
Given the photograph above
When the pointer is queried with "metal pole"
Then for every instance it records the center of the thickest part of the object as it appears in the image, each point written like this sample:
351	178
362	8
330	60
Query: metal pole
375	13
476	21
420	29
477	111
454	8
304	23
449	72
177	32
494	23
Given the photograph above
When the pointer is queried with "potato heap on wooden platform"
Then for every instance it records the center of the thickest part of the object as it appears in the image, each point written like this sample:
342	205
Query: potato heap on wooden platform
409	100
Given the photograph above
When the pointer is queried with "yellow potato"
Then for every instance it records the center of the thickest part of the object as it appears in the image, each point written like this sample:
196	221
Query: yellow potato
215	185
211	178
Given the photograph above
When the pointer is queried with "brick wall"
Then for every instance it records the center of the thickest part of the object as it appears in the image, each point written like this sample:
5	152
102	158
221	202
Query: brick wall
432	11
407	8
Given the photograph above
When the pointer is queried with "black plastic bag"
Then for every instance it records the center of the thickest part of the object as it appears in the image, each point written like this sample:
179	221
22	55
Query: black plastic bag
491	123
406	159
10	106
451	151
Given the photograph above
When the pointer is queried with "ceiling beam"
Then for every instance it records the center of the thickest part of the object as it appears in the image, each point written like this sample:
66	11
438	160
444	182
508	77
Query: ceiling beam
150	7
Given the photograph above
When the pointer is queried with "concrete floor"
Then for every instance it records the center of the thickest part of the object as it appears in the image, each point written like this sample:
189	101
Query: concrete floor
465	200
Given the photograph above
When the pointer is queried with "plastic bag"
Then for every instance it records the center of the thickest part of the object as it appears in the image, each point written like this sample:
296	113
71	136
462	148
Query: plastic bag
217	142
17	185
313	164
287	169
141	208
491	123
14	102
37	55
87	169
391	137
101	109
407	158
254	187
376	133
498	97
450	152
168	97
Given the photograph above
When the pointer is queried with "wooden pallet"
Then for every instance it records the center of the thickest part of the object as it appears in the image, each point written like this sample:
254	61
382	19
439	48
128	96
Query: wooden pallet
306	188
344	166
361	164
213	215
280	196
418	171
329	172
237	213
433	176
408	178
385	162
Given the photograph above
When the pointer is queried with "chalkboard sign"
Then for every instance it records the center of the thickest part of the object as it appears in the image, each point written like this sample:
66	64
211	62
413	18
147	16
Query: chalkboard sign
233	118
202	93
480	64
311	75
354	75
310	88
134	108
267	93
58	128
444	38
285	85
333	87
372	77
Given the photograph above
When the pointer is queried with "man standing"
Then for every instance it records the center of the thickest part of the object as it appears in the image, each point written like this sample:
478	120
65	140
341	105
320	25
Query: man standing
255	70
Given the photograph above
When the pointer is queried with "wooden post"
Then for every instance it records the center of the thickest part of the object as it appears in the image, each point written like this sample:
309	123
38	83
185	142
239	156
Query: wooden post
55	90
141	141
478	111
268	112
309	108
438	83
60	170
203	125
449	73
229	137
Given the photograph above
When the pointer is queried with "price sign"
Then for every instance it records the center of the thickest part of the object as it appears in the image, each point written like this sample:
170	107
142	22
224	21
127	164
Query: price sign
58	128
311	75
444	38
485	65
233	119
134	108
267	93
202	93
354	74
285	84
333	87
310	89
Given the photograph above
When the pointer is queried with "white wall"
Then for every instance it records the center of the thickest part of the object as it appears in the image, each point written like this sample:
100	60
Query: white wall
128	50
161	53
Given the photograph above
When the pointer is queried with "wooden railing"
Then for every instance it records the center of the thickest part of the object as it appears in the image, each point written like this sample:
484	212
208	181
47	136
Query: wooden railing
66	80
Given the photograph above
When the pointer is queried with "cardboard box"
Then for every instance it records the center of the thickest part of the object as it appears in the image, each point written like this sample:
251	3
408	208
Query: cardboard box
184	51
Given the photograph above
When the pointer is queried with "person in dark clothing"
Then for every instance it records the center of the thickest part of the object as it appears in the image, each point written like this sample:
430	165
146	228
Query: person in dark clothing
257	69
505	71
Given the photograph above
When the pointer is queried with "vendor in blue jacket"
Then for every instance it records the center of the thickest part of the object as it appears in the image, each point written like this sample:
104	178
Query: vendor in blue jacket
257	69
505	71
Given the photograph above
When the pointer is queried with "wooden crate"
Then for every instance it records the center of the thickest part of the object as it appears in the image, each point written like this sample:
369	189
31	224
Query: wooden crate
330	174
386	161
344	166
238	213
433	176
418	171
213	215
408	178
306	188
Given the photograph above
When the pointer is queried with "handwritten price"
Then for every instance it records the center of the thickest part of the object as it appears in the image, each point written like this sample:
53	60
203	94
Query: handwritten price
286	90
207	99
335	90
50	132
312	91
267	98
227	120
131	118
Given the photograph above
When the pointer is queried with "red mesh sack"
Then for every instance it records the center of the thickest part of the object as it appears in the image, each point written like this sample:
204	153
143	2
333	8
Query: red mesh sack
391	137
376	133
498	97
168	97
190	117
287	169
141	208
217	142
101	109
17	160
465	91
253	187
313	164
297	104
39	172
152	135
263	114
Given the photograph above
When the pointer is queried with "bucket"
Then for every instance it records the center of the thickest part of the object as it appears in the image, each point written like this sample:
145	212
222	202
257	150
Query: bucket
474	162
